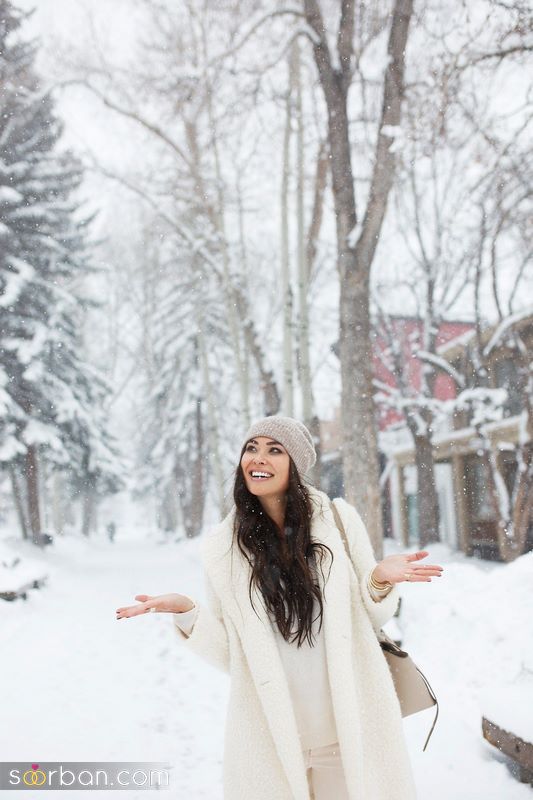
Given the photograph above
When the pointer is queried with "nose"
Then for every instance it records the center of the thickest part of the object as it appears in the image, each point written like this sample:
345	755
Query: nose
259	458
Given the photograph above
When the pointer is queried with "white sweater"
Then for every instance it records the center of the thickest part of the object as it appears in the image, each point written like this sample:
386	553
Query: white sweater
307	677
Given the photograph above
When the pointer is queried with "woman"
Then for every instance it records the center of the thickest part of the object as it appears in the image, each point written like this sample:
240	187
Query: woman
312	712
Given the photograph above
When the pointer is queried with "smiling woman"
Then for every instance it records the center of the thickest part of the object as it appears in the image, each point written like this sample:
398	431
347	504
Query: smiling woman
305	664
273	521
265	465
312	704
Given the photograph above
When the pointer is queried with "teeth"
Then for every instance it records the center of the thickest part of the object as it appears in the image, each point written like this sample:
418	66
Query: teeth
261	475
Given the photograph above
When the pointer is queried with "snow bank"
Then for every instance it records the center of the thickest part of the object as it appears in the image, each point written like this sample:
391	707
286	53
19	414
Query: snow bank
17	570
471	633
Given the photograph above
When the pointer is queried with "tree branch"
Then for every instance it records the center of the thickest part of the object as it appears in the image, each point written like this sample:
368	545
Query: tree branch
384	163
345	40
129	114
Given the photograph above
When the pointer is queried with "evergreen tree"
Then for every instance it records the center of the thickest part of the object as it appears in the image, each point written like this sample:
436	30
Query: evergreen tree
50	400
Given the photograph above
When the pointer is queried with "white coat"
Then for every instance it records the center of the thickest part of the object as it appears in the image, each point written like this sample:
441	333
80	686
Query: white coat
262	755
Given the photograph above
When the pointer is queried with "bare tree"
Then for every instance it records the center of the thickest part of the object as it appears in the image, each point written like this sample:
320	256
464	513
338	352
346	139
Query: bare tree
356	244
189	140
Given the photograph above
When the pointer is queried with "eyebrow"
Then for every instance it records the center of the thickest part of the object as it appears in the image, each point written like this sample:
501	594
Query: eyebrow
255	442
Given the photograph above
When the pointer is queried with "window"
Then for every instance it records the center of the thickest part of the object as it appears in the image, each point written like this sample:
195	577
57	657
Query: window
477	488
507	376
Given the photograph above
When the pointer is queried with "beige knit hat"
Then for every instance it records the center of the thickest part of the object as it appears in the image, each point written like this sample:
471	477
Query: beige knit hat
289	432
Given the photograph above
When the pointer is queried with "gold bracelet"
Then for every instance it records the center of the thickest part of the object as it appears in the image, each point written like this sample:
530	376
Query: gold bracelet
382	591
378	585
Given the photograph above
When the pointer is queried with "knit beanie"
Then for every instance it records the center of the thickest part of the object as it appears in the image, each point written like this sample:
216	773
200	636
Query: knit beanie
289	432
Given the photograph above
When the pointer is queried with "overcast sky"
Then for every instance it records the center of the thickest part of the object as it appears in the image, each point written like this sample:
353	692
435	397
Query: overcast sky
65	27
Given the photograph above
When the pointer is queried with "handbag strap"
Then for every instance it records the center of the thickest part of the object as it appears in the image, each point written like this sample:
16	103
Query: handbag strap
340	526
384	641
382	636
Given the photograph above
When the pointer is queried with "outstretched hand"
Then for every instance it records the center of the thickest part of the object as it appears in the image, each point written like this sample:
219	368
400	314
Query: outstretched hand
398	568
171	603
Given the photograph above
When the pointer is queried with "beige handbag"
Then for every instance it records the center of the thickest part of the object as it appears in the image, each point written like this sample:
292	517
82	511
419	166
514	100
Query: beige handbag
412	687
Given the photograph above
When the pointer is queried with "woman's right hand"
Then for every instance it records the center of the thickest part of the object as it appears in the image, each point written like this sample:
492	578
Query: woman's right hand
171	603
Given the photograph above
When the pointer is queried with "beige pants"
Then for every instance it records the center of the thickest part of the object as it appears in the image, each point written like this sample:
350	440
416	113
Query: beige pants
325	774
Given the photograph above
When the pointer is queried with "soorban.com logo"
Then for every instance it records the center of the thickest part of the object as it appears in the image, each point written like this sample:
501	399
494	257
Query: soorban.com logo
34	777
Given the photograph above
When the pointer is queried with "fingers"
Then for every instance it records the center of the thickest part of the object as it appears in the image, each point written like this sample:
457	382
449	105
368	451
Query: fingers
436	568
423	572
133	611
129	611
418	555
433	568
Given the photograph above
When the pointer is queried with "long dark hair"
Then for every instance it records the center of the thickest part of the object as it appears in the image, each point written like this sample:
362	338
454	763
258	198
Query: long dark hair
284	567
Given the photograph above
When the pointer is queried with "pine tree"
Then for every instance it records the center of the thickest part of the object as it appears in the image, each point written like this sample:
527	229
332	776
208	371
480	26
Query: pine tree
50	400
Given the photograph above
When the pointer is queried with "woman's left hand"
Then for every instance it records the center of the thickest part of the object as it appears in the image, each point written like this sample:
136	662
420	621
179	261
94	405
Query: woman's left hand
398	568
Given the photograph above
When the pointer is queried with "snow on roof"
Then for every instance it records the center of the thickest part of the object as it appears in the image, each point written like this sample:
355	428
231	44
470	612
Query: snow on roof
495	331
504	326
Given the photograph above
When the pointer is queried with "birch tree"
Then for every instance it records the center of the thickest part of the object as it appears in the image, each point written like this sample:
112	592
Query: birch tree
285	266
186	73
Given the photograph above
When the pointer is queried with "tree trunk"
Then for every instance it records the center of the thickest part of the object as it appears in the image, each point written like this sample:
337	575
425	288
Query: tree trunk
245	348
197	488
88	508
512	532
322	167
170	510
316	471
304	360
221	227
18	501
212	423
522	494
286	288
268	385
524	500
354	260
58	520
32	492
428	501
237	302
191	482
321	173
217	217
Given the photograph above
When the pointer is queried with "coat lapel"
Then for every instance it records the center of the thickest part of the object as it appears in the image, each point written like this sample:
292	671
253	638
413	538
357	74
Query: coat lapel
230	574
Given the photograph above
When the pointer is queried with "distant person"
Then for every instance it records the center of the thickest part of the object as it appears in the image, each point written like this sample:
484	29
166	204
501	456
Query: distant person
313	711
111	531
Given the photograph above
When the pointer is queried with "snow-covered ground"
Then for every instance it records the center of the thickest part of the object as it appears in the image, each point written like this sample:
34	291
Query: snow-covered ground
78	685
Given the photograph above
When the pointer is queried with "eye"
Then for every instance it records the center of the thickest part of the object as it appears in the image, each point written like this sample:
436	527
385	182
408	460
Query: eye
272	449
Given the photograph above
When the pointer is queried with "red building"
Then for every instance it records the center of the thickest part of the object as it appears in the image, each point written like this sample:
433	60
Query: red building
407	333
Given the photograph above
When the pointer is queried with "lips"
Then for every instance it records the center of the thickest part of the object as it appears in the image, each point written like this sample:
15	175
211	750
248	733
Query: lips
260	475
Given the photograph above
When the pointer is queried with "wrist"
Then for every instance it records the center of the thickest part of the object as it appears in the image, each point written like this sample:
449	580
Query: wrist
189	605
378	581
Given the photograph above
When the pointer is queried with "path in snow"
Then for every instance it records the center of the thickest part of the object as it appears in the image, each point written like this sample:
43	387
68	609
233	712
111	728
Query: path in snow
78	685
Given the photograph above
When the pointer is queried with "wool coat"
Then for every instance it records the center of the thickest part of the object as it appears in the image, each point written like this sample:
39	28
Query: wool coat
263	759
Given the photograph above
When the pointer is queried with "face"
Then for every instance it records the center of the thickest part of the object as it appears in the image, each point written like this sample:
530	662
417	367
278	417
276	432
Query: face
264	457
